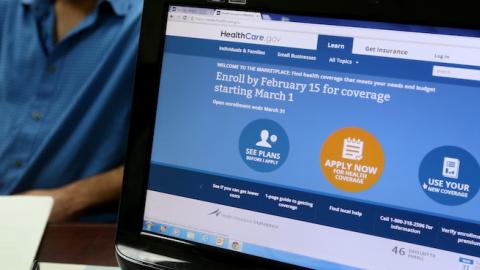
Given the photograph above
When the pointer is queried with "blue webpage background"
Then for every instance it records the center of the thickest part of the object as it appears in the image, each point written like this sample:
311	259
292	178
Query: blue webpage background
191	132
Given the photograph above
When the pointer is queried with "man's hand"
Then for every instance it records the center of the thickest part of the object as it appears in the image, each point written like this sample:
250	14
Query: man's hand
73	199
64	208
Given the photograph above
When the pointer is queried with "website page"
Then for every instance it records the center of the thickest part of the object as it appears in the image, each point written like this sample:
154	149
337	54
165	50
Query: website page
320	145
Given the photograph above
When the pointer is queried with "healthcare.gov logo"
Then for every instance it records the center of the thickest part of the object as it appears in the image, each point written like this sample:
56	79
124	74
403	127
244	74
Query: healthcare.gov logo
216	213
250	36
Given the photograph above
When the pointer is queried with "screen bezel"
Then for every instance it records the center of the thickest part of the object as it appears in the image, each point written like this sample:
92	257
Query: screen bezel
147	80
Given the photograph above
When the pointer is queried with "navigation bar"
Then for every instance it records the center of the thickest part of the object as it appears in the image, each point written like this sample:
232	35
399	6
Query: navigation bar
417	51
370	42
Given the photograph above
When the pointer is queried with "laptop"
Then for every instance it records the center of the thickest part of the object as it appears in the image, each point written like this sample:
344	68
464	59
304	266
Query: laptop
303	134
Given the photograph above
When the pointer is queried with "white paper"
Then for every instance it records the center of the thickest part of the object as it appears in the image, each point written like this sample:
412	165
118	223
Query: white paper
22	223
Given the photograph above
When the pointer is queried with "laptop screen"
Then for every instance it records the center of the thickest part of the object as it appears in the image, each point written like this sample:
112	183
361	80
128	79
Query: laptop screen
323	143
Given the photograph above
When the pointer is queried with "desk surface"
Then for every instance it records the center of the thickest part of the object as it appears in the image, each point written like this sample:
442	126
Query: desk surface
79	243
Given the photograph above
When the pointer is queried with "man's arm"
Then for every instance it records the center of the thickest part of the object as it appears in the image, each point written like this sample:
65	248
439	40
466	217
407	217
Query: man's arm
75	198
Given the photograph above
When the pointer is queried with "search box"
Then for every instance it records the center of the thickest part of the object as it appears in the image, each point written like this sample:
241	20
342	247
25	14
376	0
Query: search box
456	73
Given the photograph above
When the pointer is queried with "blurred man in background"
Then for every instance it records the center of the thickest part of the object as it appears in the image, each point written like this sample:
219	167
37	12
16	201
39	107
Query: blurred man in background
66	77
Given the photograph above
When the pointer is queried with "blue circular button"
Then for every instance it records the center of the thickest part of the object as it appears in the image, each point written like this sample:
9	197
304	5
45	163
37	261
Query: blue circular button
264	145
450	175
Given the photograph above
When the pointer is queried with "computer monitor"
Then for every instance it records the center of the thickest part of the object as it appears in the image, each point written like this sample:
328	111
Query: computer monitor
271	136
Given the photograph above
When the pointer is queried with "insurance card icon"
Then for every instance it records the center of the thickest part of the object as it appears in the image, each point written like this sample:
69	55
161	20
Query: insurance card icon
352	149
451	167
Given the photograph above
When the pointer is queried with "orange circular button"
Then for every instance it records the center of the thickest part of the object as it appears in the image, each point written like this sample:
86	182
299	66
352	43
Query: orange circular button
352	159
